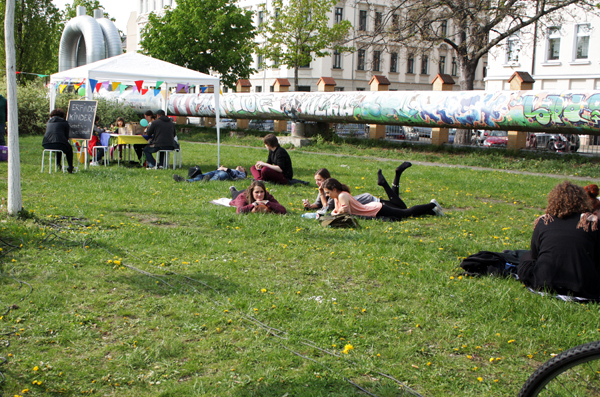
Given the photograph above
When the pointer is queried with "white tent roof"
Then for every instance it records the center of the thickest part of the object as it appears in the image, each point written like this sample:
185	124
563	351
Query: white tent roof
133	66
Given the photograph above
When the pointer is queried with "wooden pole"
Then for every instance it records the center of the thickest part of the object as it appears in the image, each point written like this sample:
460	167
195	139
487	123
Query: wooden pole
15	200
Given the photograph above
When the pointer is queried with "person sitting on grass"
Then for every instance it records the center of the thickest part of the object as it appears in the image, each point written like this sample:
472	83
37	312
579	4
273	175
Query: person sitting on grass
257	199
325	204
278	168
565	246
346	204
220	174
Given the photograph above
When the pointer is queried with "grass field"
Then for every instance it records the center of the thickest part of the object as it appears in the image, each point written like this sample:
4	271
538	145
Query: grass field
120	282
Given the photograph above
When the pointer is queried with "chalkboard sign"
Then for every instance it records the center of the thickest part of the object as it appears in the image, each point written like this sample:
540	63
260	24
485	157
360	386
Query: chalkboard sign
81	117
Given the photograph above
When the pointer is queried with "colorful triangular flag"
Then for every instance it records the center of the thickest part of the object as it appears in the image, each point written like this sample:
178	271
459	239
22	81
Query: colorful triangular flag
159	83
144	91
98	86
180	88
156	91
62	87
138	84
203	89
122	87
93	84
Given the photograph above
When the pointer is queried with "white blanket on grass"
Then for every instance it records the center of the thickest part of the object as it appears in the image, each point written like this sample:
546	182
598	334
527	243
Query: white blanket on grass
222	201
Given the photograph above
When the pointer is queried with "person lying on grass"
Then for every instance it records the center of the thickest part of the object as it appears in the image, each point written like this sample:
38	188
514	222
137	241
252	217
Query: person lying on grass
325	204
220	174
257	199
346	204
565	246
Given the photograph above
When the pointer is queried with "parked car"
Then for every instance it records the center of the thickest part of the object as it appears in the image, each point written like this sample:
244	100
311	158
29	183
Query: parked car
395	132
496	139
262	125
545	140
228	123
424	132
451	135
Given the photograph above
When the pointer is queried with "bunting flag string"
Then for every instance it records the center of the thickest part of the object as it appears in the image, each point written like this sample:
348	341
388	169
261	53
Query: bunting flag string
34	74
116	85
138	84
93	84
98	86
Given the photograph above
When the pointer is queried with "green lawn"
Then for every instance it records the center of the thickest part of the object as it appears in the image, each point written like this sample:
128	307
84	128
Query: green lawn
140	287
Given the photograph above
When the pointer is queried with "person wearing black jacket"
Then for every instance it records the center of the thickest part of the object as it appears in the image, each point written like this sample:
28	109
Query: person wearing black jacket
57	137
278	168
161	137
565	246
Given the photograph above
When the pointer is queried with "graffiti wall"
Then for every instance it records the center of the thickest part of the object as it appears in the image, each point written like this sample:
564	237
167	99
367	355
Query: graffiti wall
568	111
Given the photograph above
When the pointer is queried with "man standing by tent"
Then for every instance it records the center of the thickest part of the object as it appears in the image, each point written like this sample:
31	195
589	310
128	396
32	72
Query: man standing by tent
161	135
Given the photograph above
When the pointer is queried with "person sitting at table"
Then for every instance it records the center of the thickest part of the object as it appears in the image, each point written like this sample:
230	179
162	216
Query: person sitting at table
257	199
161	135
57	137
278	168
220	174
95	141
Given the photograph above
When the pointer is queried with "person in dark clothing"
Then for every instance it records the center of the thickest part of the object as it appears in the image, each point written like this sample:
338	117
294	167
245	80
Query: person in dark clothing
57	137
565	246
3	117
162	136
278	168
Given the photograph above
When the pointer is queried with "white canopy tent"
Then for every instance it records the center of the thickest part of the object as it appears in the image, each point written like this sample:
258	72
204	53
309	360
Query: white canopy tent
131	67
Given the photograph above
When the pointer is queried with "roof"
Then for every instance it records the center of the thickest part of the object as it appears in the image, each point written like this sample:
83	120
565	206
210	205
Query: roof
131	67
282	82
446	78
382	80
523	76
244	83
327	81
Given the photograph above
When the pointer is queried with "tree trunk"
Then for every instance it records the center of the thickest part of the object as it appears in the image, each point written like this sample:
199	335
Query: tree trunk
296	78
15	201
467	80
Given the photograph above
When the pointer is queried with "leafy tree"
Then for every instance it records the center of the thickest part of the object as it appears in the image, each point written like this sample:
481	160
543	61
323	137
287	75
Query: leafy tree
37	35
471	28
204	36
90	6
299	32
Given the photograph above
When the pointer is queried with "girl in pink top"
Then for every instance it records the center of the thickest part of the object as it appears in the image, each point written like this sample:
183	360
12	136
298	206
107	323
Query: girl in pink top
346	204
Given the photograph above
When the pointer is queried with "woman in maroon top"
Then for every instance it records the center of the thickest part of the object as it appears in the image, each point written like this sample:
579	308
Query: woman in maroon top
257	199
565	246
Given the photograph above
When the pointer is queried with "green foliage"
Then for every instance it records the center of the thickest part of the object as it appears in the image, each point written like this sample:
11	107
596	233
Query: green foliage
207	36
90	6
109	110
37	35
299	32
141	287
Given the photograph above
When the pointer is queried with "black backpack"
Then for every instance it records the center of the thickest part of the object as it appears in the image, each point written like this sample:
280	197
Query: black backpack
492	263
194	172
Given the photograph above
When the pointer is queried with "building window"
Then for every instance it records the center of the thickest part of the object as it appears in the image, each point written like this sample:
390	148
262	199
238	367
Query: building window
339	15
513	47
378	20
337	60
261	15
424	64
442	65
394	62
259	62
444	28
258	88
410	64
303	88
360	88
272	88
338	88
582	43
362	20
376	61
277	14
553	44
395	22
307	64
454	67
484	70
361	60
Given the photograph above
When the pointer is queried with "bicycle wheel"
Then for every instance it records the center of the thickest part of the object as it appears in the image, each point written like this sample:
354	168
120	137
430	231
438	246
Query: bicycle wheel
575	372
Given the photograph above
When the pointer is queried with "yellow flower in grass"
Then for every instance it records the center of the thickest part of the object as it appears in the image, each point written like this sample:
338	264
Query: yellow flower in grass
263	290
347	348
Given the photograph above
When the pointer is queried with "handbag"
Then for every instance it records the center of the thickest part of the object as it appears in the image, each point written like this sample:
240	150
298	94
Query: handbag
340	220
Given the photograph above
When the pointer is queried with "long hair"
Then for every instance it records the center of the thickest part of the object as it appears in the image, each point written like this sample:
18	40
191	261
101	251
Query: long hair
121	119
323	173
334	184
567	199
250	191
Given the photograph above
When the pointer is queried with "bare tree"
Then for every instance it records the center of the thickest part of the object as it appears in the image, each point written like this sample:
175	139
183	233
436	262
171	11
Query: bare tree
471	28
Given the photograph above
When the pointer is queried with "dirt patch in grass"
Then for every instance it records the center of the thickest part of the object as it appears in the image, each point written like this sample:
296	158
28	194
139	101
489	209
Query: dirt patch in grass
152	220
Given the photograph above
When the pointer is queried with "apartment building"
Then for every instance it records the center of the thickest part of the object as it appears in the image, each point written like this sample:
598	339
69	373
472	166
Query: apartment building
561	56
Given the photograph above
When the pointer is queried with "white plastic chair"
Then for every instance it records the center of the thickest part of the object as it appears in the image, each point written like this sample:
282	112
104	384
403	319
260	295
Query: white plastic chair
58	153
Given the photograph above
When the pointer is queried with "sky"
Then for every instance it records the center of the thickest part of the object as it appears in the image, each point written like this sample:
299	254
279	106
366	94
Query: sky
118	9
